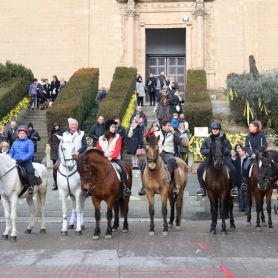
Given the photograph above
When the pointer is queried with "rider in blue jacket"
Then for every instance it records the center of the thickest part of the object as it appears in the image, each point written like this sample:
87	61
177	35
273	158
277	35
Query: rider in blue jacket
22	151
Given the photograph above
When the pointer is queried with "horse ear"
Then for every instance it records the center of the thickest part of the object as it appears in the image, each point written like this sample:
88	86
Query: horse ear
157	138
59	137
147	139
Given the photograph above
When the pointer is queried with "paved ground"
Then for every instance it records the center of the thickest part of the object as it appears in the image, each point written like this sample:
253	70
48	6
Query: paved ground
191	252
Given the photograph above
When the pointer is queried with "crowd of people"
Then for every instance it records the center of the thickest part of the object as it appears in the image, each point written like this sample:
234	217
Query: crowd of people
42	94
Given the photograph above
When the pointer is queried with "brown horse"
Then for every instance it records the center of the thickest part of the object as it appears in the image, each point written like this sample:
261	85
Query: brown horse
217	185
100	179
263	174
154	178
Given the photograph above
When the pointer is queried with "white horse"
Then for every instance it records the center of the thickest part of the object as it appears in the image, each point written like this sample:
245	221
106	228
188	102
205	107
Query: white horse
10	189
68	181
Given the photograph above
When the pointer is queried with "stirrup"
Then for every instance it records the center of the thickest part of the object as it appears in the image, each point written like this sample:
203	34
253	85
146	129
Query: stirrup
127	192
201	192
55	187
243	187
176	191
30	190
86	193
234	192
142	191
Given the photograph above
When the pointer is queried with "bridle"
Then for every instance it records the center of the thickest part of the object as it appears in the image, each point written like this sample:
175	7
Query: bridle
8	172
65	159
149	160
214	158
267	176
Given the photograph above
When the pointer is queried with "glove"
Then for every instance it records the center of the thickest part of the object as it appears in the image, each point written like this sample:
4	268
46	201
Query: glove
19	161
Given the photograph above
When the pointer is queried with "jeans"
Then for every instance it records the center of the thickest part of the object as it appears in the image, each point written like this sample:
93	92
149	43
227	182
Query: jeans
242	201
28	166
33	102
152	98
170	160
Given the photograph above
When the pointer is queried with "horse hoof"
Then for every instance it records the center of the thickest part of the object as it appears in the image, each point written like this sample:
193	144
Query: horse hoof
233	227
178	228
212	233
95	237
82	227
42	231
28	231
5	237
248	224
125	231
151	233
13	238
71	226
264	224
170	225
224	233
108	236
64	233
114	229
258	229
271	230
165	233
78	233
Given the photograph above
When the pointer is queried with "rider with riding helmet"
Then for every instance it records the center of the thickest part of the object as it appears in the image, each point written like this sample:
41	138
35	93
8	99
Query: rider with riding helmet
254	141
22	151
80	145
111	143
215	129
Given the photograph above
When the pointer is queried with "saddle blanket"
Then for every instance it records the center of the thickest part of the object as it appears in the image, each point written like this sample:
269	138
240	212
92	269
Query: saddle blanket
227	169
250	171
118	170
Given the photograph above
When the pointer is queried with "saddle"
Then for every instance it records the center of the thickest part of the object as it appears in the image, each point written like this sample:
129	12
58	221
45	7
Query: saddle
117	169
24	178
227	169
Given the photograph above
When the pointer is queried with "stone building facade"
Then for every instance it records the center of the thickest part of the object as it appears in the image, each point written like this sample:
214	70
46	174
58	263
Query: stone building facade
59	37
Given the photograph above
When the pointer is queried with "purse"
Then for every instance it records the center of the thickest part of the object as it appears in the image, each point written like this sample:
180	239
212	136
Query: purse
178	108
140	152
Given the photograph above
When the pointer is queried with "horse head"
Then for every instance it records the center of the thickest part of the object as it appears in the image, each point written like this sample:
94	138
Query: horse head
84	169
66	151
217	151
152	151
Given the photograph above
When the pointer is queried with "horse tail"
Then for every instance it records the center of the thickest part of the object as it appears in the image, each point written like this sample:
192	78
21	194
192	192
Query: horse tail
121	206
38	204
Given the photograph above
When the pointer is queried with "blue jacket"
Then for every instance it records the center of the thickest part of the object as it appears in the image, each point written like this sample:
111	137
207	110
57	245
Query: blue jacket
22	149
175	123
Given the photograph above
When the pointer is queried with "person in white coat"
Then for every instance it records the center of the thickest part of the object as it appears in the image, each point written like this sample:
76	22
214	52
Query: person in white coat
141	91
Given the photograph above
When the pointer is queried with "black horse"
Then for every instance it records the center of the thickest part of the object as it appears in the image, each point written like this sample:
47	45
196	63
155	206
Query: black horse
218	186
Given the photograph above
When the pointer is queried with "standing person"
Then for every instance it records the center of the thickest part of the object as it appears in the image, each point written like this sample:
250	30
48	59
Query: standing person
142	115
175	121
183	132
163	111
41	93
140	88
121	131
62	85
102	95
151	84
154	127
4	148
55	86
33	94
175	103
80	145
173	86
134	140
97	130
110	143
239	162
34	136
12	133
22	151
254	141
3	135
215	129
47	89
161	81
54	142
167	81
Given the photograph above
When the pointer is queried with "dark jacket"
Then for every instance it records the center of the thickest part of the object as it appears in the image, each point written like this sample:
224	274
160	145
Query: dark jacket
135	141
97	130
173	101
3	137
34	136
206	145
12	135
239	170
152	87
254	142
102	95
55	85
54	142
47	89
121	131
163	112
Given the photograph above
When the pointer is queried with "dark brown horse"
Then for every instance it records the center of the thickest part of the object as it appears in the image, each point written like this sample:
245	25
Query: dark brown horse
155	180
263	174
218	186
100	179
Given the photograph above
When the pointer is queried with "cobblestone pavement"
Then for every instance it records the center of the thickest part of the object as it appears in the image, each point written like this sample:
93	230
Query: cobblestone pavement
191	252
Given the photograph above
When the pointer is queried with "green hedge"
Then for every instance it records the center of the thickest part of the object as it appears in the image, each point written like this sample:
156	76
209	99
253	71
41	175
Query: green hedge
121	89
76	100
14	84
197	107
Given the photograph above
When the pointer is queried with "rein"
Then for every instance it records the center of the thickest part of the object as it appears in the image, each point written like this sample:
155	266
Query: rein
154	161
67	179
8	172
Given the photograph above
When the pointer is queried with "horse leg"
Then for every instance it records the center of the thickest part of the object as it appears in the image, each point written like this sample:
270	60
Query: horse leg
41	202
82	202
164	198
116	218
73	213
172	206
109	216
249	202
6	205
78	230
231	207
262	213
223	208
258	209
151	211
64	231
31	225
179	202
96	203
213	210
268	209
14	200
125	224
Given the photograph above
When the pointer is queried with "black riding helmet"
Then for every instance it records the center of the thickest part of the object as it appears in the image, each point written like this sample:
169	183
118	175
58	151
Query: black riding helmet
216	125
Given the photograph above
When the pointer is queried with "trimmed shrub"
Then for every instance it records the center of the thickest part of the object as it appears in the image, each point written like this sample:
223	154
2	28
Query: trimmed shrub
14	84
76	100
197	107
121	89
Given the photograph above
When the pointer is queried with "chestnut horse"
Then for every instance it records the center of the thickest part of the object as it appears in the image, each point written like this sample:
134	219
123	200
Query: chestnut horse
218	186
261	182
154	178
100	179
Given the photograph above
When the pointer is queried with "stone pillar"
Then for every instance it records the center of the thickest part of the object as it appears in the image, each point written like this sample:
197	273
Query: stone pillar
188	43
199	14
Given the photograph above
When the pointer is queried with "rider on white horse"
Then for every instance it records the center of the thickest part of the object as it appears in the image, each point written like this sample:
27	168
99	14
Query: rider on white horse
22	151
111	143
80	144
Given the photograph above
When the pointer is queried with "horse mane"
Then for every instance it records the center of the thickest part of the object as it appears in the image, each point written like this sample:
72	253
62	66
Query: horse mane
210	159
84	155
152	141
7	160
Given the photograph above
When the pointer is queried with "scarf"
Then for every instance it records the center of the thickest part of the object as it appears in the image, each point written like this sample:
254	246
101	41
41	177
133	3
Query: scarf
130	132
30	133
215	135
255	132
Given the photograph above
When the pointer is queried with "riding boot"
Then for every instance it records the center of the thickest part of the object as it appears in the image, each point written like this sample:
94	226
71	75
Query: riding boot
126	191
142	191
55	169
177	178
31	181
202	190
